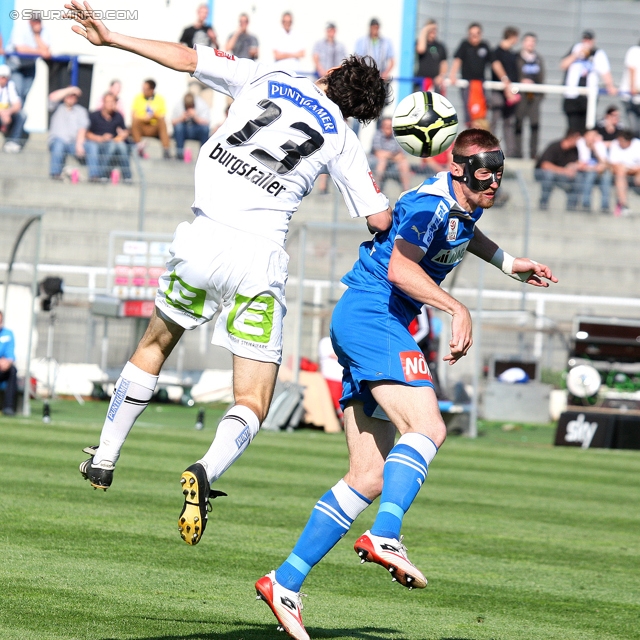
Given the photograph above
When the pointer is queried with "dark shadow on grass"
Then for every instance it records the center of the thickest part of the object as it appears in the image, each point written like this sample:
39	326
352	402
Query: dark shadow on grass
247	631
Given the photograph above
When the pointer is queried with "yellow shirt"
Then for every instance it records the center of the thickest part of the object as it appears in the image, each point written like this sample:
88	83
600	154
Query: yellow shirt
144	107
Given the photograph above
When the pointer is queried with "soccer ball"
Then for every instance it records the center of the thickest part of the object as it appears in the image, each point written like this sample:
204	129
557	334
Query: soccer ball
425	124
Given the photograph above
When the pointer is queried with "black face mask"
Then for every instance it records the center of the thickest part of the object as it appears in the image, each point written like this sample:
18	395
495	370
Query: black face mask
491	160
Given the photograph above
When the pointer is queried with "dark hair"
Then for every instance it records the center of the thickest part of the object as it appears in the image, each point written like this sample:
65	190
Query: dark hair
625	134
189	101
358	89
151	83
509	32
612	109
474	25
475	138
572	133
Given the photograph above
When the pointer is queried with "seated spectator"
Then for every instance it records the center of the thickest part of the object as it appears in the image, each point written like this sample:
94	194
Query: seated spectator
12	117
385	149
610	126
558	166
29	39
624	157
190	122
8	373
106	142
593	164
200	32
67	129
147	120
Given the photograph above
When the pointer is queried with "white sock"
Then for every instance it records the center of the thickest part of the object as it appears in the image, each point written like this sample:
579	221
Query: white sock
131	396
236	430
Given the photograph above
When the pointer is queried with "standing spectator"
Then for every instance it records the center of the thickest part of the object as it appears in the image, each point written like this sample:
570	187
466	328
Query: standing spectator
531	69
379	48
289	50
609	127
67	129
200	32
585	64
190	122
558	166
115	87
432	58
12	117
242	43
106	142
30	39
504	67
630	87
386	150
624	157
471	58
8	373
328	53
593	162
149	110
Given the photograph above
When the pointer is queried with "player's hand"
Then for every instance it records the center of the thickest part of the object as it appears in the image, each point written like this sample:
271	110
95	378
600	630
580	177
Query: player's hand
461	338
533	272
92	29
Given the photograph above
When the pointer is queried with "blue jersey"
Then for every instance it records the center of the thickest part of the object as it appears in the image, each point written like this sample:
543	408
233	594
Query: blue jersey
429	217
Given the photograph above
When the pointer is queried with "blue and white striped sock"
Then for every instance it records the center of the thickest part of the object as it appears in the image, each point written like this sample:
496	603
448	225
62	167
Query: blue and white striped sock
330	520
405	470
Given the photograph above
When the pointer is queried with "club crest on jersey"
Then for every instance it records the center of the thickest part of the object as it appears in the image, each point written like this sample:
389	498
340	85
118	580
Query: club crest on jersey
450	256
224	54
324	118
452	229
375	184
414	366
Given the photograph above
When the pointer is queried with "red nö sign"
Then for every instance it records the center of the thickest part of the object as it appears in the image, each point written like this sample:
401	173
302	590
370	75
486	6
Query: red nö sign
414	366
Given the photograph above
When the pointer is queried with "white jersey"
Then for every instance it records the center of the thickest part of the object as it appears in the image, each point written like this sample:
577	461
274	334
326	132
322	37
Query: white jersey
281	131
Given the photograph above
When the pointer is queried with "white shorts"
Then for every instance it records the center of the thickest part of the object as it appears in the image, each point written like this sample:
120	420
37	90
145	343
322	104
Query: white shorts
215	266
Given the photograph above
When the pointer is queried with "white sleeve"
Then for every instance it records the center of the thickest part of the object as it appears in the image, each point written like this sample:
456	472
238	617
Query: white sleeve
352	175
584	153
615	156
222	71
601	62
12	93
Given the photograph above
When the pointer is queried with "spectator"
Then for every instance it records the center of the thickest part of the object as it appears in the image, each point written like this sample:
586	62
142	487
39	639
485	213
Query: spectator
67	129
147	120
379	48
531	69
115	87
432	59
594	165
504	66
190	122
609	127
8	373
242	43
471	59
624	157
200	32
386	150
30	39
12	117
584	65
558	166
435	164
106	142
328	53
289	51
630	87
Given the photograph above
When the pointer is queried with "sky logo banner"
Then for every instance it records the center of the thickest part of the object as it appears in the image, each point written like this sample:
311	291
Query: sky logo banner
324	118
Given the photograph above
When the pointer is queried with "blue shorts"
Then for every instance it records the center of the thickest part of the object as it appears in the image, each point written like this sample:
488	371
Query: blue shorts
370	336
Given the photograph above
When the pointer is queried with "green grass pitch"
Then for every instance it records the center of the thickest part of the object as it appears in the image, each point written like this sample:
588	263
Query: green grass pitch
519	540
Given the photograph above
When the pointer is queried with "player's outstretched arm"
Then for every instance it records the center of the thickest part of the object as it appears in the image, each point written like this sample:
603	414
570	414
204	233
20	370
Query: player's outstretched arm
379	222
523	269
169	54
406	274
